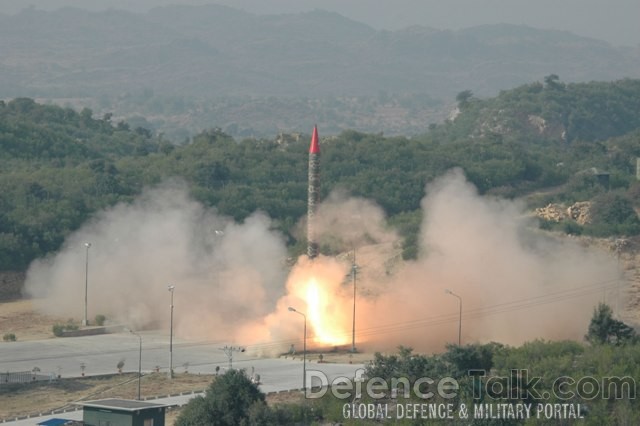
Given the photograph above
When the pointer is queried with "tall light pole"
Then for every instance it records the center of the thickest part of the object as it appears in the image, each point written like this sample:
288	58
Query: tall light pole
304	351
620	243
460	318
139	360
85	322
354	269
171	288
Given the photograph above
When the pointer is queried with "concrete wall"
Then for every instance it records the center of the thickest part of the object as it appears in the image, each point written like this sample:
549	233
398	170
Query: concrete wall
92	331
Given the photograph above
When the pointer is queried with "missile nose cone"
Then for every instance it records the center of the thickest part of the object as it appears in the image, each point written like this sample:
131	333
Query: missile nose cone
315	145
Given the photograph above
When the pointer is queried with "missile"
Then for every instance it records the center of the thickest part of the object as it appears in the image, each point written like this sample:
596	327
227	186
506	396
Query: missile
313	193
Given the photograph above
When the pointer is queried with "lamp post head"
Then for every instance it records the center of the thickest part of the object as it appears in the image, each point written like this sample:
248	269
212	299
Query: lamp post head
87	245
453	294
292	309
128	330
171	287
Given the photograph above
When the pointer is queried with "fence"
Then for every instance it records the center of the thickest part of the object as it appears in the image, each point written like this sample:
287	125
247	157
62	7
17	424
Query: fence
23	377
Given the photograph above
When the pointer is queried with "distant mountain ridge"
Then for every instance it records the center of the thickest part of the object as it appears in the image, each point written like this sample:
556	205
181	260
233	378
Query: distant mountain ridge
178	70
216	50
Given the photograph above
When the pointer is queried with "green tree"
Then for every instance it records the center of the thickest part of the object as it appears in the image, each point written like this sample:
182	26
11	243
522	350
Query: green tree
613	209
471	357
553	81
603	328
228	402
463	98
194	413
613	213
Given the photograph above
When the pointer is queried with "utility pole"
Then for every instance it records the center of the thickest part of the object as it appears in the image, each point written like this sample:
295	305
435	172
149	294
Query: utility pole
460	315
139	360
620	244
171	288
304	351
85	321
229	350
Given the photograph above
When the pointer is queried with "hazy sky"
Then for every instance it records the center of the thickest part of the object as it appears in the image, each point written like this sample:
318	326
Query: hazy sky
615	21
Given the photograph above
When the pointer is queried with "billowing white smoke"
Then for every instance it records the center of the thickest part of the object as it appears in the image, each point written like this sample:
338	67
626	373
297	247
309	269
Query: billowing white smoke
224	273
231	279
516	283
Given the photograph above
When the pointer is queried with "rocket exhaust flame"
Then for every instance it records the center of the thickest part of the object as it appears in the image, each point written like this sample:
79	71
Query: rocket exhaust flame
323	323
315	286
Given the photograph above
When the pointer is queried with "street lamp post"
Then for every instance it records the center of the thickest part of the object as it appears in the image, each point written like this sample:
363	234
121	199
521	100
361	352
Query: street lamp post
304	351
620	243
354	269
460	317
139	360
171	288
85	322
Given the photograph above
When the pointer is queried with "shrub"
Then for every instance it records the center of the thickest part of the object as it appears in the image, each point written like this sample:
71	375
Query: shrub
463	359
611	208
9	337
572	228
100	319
58	329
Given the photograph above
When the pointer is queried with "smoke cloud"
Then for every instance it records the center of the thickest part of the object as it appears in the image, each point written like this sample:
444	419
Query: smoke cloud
224	273
516	283
233	283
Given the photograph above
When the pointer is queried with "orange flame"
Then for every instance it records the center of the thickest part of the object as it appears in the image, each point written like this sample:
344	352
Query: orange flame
324	317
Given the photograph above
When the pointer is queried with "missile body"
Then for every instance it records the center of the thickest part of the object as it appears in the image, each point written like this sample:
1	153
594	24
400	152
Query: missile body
313	193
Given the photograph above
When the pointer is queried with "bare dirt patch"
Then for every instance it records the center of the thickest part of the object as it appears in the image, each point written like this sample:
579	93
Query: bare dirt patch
292	397
20	399
628	257
20	318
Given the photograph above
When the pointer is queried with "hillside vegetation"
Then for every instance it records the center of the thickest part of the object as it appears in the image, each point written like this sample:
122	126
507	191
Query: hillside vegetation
59	166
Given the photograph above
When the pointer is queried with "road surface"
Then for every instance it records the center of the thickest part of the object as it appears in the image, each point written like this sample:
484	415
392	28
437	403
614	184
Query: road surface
101	354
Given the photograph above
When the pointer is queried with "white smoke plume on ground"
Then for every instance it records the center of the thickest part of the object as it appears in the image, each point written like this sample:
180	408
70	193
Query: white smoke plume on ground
234	284
224	273
488	252
516	283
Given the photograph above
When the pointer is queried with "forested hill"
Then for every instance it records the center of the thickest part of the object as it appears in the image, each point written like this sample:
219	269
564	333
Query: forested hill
552	110
58	166
44	132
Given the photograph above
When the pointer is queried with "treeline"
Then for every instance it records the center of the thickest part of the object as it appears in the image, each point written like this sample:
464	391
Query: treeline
59	166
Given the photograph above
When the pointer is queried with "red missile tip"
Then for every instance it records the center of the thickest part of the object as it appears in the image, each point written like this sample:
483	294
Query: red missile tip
315	145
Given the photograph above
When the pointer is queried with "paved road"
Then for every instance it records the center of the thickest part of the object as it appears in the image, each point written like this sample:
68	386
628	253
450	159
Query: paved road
101	354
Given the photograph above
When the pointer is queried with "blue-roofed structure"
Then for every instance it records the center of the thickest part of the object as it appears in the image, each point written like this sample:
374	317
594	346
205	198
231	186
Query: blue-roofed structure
56	422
